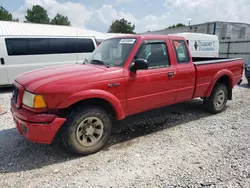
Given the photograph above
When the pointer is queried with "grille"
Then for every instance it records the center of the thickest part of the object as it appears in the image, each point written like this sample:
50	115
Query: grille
15	94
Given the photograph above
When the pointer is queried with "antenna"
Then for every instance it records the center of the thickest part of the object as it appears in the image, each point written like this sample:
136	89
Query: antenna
77	40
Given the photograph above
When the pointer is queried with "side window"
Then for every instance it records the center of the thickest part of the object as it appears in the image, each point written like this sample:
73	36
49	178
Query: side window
155	53
85	45
16	46
181	51
60	45
36	46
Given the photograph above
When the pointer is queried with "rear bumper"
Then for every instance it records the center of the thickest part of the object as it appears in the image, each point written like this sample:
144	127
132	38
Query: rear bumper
247	75
42	131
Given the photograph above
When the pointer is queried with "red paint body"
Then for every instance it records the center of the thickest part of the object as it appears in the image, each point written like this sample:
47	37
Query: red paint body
66	85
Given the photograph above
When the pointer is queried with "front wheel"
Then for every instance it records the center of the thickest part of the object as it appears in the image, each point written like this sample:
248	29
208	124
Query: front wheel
86	131
218	99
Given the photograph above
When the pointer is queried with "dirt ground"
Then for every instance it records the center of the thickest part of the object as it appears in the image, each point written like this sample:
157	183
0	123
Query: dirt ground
176	146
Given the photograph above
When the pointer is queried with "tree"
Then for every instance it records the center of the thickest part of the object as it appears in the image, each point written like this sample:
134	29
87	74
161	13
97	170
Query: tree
177	25
5	15
60	20
37	15
121	26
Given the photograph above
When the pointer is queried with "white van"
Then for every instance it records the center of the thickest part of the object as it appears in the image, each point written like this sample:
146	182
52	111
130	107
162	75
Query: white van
201	45
22	54
25	47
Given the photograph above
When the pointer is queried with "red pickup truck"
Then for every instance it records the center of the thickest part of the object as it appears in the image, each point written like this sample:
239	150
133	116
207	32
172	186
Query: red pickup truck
123	76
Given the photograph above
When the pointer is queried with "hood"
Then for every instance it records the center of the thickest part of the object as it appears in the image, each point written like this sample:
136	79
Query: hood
65	73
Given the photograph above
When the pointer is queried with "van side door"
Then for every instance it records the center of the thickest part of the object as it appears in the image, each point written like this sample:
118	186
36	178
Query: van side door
3	66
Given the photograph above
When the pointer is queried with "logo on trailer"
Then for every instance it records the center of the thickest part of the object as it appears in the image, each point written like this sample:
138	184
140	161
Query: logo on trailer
196	45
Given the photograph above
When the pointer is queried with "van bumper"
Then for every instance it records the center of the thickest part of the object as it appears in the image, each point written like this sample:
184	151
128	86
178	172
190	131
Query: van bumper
43	131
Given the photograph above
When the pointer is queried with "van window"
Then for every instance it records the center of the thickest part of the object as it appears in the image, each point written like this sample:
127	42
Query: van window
181	51
38	46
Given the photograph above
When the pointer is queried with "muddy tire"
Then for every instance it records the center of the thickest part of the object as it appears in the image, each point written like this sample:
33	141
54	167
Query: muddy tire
86	130
217	100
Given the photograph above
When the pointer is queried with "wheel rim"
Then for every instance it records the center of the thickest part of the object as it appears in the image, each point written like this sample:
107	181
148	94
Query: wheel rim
89	131
220	99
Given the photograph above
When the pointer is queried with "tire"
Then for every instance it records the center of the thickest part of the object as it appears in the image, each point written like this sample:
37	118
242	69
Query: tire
217	100
82	126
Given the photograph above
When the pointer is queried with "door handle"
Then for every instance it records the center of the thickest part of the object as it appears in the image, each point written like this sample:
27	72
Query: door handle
171	74
2	61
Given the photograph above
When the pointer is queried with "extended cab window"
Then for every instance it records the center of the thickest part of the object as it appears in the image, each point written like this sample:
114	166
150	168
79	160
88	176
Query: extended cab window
181	51
155	53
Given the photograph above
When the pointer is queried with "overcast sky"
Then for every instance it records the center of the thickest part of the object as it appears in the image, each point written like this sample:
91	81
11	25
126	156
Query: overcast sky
98	14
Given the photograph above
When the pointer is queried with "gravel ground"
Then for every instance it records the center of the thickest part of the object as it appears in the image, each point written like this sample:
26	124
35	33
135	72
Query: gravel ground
176	146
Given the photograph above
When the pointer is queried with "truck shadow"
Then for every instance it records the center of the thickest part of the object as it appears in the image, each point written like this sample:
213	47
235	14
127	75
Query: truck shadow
244	85
18	155
5	89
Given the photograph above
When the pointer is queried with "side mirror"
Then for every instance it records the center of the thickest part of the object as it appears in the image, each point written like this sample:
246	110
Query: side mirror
139	64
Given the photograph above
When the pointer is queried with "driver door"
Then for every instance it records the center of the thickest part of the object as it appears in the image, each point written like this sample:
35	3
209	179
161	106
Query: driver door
156	86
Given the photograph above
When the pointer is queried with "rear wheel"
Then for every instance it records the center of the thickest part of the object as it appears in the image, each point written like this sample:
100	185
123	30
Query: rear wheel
86	130
218	99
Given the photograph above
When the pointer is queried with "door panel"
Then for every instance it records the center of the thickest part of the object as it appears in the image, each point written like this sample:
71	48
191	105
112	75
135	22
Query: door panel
3	70
156	86
3	75
186	71
150	88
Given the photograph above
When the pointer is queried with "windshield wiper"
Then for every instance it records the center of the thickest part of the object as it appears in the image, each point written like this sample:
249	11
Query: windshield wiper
85	61
96	62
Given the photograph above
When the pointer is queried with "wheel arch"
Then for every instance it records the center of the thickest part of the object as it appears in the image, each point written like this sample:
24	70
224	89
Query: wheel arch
223	77
100	98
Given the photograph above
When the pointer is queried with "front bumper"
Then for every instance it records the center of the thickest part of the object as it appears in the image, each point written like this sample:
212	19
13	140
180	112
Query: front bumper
37	128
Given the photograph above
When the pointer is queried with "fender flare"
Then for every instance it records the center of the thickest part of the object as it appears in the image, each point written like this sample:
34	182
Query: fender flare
223	72
95	93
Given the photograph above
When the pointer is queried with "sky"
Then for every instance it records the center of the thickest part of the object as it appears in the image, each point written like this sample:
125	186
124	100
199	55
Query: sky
146	15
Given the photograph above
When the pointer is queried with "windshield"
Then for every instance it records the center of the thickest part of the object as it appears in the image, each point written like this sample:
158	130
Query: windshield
112	52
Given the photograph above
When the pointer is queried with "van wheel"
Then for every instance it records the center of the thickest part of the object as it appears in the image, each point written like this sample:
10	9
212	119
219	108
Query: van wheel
86	130
218	99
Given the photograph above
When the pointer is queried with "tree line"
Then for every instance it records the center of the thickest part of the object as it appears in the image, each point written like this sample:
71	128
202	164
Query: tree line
37	14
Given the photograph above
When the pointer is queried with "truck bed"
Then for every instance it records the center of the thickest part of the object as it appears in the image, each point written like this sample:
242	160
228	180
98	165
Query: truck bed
211	60
205	73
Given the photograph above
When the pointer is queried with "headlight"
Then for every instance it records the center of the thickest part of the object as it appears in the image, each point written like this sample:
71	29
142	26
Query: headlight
248	68
33	101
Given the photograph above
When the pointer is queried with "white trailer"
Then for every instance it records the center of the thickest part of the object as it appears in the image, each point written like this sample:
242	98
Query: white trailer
201	45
